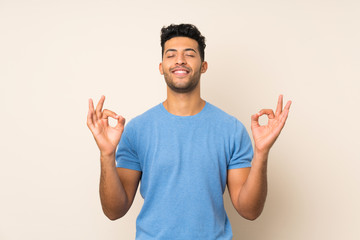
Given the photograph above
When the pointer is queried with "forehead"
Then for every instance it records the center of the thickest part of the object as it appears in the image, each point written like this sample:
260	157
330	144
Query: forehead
180	43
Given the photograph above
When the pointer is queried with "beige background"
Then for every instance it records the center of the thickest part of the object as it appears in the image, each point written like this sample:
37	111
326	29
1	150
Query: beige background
54	55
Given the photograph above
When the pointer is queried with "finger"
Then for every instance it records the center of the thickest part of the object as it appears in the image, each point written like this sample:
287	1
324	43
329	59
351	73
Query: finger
90	122
279	105
255	120
91	110
288	104
268	112
99	106
121	123
108	113
285	112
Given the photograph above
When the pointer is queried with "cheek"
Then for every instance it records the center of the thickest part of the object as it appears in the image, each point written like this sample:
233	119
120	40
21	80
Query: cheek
163	68
195	65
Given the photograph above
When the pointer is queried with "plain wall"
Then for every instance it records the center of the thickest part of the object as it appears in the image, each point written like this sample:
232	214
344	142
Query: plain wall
55	55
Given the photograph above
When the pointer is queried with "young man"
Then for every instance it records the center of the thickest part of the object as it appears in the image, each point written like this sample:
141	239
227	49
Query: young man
185	150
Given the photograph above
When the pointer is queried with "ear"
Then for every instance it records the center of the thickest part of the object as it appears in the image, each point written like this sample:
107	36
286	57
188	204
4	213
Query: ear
161	69
204	66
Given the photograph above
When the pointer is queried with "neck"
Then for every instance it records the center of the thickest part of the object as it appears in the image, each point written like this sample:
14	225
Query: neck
184	104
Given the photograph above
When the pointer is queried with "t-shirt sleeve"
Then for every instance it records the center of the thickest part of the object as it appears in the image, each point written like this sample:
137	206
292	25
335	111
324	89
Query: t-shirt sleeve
126	156
242	151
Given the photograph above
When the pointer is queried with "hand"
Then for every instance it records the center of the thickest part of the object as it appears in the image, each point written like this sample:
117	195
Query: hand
265	136
106	137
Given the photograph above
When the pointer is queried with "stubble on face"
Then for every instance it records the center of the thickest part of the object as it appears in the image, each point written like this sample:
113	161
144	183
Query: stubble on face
185	87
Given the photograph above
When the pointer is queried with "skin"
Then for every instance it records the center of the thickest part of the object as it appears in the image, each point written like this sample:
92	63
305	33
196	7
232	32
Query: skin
247	186
182	52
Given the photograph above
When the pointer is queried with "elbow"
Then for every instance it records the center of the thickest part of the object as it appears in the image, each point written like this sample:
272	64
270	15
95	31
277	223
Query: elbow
250	212
113	218
250	215
112	215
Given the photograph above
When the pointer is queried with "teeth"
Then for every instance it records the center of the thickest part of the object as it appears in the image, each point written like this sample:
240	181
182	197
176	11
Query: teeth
180	71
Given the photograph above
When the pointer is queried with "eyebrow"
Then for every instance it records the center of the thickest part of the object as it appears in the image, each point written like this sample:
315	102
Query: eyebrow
186	49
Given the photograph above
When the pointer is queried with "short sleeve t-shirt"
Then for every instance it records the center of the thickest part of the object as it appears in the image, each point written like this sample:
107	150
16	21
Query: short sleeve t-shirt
184	162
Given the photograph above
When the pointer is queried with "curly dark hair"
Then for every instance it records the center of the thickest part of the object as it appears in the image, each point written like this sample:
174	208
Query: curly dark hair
183	30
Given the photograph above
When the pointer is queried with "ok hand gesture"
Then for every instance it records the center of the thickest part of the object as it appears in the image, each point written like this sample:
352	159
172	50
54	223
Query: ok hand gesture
265	135
106	137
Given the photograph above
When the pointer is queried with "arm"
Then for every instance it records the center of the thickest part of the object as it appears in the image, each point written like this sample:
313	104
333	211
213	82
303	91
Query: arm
248	186
117	186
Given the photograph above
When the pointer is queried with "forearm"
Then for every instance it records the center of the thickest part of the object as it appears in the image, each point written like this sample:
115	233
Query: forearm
252	196
113	197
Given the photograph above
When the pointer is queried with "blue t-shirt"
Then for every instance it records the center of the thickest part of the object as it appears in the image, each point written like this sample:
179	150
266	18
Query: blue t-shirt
184	162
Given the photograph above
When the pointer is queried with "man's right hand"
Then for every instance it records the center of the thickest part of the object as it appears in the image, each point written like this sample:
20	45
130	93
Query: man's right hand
107	137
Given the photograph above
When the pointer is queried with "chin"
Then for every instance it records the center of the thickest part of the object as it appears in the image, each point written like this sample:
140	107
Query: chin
183	89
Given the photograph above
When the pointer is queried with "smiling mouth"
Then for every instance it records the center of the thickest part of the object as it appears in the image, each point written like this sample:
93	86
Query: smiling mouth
180	72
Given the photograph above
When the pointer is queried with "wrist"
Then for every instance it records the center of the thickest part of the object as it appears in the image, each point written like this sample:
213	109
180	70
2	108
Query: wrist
261	154
107	154
107	158
261	150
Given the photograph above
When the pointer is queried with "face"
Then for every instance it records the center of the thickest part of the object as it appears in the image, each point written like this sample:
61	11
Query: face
181	65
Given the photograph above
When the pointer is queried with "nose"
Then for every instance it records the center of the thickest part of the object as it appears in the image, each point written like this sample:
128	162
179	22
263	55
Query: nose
180	60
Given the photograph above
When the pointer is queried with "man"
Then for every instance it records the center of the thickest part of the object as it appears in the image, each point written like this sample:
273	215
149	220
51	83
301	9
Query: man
184	151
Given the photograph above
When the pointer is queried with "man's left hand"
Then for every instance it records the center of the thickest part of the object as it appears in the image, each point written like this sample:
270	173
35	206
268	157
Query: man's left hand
265	135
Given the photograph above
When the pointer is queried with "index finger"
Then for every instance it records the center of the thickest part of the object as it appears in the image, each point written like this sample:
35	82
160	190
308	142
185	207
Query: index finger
99	106
287	106
285	113
279	106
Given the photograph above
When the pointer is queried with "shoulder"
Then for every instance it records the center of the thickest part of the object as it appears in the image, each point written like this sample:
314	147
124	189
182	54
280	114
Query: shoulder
223	118
145	118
